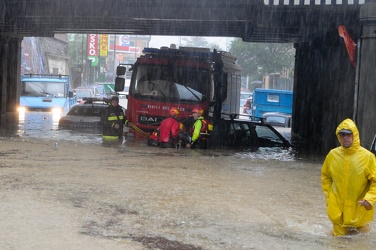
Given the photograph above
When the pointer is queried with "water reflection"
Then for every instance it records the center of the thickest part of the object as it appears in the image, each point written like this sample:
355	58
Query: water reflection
44	125
37	123
214	199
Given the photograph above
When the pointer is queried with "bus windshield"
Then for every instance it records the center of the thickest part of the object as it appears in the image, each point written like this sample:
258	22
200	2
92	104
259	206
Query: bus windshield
42	89
183	84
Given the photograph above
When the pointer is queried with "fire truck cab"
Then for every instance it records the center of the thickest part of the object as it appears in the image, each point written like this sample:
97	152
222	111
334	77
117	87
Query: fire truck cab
184	78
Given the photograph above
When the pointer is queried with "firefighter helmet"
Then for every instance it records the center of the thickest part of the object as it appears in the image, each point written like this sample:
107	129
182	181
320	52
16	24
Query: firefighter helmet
174	111
200	111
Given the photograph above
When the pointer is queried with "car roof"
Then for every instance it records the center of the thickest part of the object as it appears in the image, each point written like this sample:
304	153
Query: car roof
91	104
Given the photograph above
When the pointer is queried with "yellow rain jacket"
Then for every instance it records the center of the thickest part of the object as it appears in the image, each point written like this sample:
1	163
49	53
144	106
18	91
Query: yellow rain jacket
348	175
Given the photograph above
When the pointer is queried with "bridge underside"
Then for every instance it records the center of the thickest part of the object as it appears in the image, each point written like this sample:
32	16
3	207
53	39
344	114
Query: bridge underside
251	20
327	87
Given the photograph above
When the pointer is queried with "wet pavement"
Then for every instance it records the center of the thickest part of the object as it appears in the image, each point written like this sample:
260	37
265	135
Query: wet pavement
67	190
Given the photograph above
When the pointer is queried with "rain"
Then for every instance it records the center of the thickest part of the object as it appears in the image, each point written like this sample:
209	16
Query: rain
68	189
128	195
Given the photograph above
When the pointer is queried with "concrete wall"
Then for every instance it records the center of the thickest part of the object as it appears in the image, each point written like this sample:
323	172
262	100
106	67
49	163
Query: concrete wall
10	54
366	115
323	92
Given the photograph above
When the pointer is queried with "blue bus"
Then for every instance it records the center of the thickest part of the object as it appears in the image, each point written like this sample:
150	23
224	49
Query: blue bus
271	100
49	93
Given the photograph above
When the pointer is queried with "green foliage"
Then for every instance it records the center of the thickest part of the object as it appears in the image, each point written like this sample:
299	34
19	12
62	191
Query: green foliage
259	59
200	42
76	48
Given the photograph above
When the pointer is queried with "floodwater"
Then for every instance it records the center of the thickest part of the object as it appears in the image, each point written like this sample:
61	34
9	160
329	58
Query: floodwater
67	190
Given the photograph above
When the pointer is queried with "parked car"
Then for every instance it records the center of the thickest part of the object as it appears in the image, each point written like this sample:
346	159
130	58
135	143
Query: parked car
82	94
85	116
277	119
109	88
98	89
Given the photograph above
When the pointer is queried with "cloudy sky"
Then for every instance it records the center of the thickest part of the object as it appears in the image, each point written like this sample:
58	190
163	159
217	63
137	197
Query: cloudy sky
159	41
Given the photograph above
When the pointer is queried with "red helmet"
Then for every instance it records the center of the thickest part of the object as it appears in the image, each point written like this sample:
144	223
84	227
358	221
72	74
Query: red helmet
200	111
174	111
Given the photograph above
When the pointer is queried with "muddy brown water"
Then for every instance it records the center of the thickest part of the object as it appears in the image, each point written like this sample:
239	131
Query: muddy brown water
70	191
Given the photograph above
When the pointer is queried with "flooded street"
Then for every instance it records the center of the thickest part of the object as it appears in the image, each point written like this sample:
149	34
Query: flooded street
64	190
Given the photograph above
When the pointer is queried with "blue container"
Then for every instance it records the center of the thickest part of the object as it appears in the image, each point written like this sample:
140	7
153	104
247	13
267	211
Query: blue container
271	100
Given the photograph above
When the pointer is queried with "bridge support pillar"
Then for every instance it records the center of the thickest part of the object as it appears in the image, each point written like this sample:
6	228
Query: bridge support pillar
10	68
366	102
323	92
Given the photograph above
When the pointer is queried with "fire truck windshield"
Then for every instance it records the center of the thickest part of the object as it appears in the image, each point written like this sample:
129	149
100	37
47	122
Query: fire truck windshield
160	82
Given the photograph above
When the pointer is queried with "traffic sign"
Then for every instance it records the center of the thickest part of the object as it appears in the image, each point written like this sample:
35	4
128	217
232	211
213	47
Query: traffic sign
93	59
125	40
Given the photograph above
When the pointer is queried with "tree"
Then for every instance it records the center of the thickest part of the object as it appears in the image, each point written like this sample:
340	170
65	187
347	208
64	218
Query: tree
76	48
259	59
200	42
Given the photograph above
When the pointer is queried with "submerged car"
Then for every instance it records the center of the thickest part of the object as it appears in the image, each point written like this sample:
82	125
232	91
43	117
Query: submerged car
245	134
277	119
85	116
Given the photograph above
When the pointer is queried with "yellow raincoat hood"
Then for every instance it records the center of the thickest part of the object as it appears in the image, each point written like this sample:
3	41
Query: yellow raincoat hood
350	125
348	175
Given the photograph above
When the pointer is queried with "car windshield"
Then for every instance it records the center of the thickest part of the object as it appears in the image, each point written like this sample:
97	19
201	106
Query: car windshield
83	93
42	89
266	133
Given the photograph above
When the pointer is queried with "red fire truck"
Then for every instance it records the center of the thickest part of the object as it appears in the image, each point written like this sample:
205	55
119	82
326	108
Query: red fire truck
184	78
187	78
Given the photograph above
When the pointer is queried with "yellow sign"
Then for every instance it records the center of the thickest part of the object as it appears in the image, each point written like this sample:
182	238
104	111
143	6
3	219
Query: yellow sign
103	45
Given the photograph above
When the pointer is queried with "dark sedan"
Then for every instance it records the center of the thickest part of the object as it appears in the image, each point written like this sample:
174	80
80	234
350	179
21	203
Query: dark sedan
84	116
245	134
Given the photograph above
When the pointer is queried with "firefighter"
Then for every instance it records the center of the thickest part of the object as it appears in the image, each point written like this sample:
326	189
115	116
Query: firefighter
114	119
199	131
169	130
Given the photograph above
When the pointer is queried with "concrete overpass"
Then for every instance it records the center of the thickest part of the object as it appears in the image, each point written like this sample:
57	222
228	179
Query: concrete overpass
328	86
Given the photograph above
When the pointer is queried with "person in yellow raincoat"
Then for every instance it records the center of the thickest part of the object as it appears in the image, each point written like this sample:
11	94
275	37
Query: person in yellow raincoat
348	178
